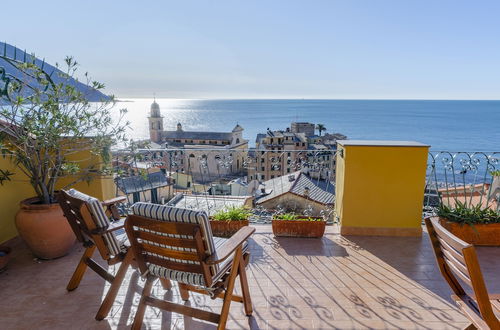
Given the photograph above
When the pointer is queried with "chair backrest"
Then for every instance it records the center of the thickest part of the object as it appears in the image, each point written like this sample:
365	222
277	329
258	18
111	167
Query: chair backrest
458	259
86	216
172	242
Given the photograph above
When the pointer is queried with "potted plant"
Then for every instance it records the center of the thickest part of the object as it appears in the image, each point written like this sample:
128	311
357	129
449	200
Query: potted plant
495	184
471	223
4	256
228	221
50	130
293	225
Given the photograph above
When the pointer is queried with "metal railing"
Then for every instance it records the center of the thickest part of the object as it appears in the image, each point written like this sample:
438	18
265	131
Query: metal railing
211	179
280	181
464	177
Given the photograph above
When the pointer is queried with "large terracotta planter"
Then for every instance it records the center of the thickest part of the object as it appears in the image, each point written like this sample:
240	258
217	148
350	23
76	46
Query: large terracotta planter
479	234
4	256
298	228
44	229
226	228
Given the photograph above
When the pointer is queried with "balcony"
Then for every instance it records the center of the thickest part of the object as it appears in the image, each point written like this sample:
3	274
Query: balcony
338	281
333	282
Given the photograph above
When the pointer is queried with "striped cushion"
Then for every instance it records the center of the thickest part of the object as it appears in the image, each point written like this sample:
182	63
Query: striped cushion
166	213
192	278
116	244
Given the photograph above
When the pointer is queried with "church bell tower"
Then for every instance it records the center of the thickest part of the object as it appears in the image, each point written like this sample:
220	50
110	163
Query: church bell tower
155	123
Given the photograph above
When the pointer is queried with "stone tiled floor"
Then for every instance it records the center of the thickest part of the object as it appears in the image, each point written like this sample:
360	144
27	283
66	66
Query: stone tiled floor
330	283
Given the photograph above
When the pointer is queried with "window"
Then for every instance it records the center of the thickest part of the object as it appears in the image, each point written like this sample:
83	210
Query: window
263	168
288	170
262	177
262	160
297	144
237	140
272	176
303	144
289	154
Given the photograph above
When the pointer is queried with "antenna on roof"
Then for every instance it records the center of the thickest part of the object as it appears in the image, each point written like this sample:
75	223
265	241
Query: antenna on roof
154	97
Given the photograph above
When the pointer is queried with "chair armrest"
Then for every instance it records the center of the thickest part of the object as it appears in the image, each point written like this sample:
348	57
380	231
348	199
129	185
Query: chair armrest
116	200
110	205
230	246
112	227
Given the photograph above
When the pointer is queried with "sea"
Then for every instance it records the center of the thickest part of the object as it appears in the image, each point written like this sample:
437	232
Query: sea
444	125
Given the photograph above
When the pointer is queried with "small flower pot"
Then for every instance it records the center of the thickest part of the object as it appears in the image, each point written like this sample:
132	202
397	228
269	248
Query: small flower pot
478	234
4	256
226	228
299	227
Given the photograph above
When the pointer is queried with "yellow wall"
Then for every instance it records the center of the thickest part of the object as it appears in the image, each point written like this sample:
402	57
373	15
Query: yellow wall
380	187
19	188
11	193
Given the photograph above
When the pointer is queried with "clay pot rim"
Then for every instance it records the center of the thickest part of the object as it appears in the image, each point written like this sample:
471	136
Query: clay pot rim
29	204
303	219
212	219
5	249
442	219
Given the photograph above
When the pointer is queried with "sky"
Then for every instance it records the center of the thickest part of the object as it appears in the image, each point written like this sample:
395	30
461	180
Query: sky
352	49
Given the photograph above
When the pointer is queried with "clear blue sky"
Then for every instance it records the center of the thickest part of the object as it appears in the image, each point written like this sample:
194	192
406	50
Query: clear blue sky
437	49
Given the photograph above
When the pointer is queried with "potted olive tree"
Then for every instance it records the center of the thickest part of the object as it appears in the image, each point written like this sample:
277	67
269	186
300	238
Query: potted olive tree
293	225
50	130
228	221
473	224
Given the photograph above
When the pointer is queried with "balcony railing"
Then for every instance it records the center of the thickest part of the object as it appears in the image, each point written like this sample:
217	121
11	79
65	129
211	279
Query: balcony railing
465	177
270	182
210	179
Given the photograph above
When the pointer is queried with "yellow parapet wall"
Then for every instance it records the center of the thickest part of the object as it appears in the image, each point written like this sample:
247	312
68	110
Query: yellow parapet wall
19	188
380	187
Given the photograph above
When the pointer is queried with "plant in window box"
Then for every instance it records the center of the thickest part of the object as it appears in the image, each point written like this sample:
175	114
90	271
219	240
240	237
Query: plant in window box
228	221
473	224
293	225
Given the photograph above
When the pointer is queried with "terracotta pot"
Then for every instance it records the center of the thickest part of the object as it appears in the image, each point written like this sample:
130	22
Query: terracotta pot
226	228
298	228
479	234
44	229
4	256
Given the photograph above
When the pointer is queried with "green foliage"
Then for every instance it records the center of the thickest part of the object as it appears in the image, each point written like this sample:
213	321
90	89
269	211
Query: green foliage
495	173
46	124
294	217
320	128
463	214
232	214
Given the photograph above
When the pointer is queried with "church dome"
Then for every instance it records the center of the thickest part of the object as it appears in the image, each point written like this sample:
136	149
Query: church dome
155	109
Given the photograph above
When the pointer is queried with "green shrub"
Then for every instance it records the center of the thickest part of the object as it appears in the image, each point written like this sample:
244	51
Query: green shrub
471	215
232	213
294	217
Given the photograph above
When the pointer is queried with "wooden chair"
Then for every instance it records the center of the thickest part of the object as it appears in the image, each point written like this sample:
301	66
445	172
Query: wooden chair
177	244
93	228
458	260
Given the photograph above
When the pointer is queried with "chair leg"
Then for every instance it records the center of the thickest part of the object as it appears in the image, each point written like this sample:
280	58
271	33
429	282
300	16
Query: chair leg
80	269
139	315
470	327
184	291
229	290
115	286
165	283
247	301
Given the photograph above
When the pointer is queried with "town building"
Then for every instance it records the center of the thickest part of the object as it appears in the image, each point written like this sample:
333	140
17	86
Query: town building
298	193
279	153
204	155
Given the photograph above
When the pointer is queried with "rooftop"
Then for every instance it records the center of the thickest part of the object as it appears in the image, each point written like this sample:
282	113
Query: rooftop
321	191
334	282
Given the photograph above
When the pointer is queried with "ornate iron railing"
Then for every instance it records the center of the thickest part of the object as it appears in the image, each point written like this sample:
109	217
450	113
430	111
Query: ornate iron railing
466	177
211	179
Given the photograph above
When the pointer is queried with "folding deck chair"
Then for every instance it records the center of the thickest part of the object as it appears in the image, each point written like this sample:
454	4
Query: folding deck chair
177	244
458	260
93	228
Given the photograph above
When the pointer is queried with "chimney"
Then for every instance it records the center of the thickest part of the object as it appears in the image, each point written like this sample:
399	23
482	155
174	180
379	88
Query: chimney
306	192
